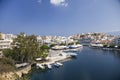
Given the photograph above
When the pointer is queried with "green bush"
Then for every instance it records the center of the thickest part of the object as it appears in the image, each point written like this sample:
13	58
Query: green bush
77	42
105	45
52	45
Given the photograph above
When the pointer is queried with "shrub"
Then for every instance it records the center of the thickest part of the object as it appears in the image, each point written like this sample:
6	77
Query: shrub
6	65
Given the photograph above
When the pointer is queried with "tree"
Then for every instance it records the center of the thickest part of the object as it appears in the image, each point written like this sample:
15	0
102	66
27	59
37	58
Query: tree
77	42
105	45
52	45
63	44
26	49
71	43
44	50
112	46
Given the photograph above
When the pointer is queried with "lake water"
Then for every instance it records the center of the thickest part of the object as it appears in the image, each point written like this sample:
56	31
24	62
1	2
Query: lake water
90	64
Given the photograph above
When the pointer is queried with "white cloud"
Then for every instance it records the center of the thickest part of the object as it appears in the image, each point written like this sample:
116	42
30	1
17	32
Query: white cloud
59	3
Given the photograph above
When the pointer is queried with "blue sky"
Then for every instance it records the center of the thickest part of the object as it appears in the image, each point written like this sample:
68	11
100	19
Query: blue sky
59	17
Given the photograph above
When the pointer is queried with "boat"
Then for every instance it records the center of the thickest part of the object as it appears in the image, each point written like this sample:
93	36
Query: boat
59	47
57	64
38	59
40	66
60	64
75	46
72	54
49	66
96	45
72	50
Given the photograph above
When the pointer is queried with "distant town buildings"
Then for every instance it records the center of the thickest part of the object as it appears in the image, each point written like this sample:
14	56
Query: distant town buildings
54	39
96	38
84	38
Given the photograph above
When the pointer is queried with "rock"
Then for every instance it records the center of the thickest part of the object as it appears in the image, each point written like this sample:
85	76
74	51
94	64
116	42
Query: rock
14	75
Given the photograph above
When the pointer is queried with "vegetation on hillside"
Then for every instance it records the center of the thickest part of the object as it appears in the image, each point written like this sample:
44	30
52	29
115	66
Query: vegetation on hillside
6	65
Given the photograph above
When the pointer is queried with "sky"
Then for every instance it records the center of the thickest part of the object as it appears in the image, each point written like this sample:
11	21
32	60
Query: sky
59	17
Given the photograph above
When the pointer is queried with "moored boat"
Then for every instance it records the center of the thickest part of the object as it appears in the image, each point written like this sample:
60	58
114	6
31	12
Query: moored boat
58	64
72	54
40	66
75	46
49	66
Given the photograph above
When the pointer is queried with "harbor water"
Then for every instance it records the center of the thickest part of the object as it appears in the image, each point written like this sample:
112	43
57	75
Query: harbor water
90	64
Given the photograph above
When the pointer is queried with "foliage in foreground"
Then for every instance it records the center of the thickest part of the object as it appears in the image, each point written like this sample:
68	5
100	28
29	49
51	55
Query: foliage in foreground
6	65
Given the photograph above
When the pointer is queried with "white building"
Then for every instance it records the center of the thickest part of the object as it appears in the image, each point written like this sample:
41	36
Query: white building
5	44
2	36
10	36
7	36
6	40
